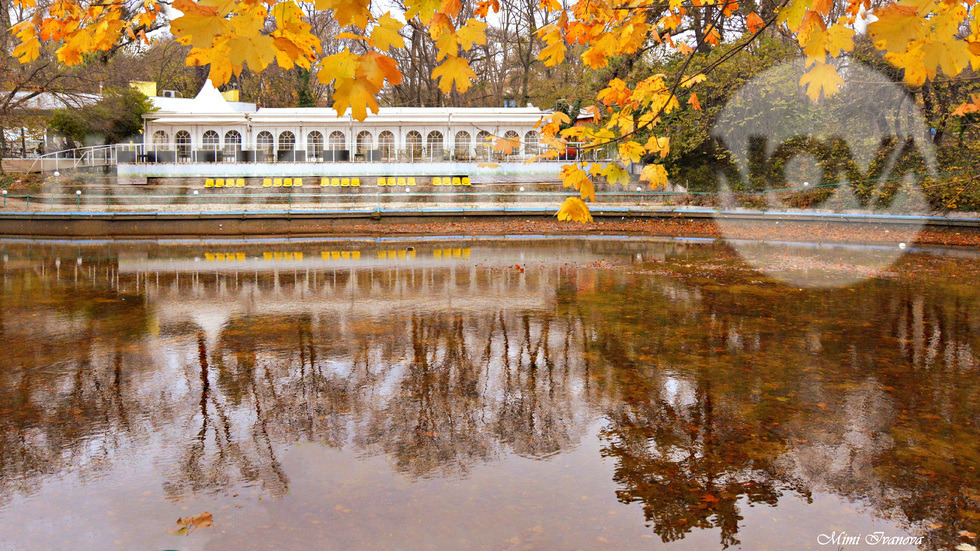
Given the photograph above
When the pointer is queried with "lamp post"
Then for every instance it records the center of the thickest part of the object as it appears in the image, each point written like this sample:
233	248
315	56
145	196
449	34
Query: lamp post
4	198
78	193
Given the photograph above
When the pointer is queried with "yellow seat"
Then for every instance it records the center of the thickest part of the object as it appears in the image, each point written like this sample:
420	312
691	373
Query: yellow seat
356	182
324	182
345	255
287	182
401	181
334	182
437	181
345	182
209	256
239	256
466	180
457	181
381	181
356	254
411	181
209	182
298	256
220	182
277	182
297	182
240	182
391	181
267	256
267	182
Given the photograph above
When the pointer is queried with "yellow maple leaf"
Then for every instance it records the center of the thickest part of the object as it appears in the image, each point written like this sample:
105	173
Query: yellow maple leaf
598	55
454	70
70	54
340	66
507	146
423	9
661	144
897	25
952	56
574	209
574	177
613	172
347	12
356	94
821	78
631	152
655	175
386	33
199	24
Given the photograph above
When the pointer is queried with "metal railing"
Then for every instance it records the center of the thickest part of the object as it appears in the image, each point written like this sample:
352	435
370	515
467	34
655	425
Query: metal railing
86	157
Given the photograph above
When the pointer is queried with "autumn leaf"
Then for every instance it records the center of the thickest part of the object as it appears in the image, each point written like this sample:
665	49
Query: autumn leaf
386	33
631	152
454	70
574	209
897	25
200	24
488	165
693	101
506	145
189	524
754	22
656	175
375	68
423	9
347	12
573	176
821	78
358	96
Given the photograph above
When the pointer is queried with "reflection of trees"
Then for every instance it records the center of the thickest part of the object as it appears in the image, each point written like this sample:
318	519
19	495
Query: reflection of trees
746	394
713	395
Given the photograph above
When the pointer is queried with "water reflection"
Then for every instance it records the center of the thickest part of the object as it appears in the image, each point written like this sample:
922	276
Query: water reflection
708	389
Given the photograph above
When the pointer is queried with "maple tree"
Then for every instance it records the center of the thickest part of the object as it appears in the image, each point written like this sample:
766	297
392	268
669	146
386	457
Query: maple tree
922	38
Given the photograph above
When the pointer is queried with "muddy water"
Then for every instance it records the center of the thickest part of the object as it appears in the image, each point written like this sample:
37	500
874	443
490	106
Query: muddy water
497	393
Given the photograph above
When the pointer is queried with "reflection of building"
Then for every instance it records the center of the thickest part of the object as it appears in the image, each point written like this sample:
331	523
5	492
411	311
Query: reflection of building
209	128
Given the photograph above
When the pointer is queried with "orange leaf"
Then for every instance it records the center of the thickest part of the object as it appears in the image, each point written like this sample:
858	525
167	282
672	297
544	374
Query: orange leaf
693	101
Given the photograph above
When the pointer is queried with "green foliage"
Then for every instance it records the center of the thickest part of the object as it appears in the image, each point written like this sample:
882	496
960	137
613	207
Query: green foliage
117	117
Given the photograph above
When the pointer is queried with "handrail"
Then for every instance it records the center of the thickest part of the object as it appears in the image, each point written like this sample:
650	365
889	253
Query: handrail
91	156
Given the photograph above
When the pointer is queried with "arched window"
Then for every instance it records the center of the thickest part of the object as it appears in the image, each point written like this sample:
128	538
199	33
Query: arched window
264	142
160	139
386	143
365	141
287	141
531	143
211	141
413	142
515	141
183	139
314	143
338	141
233	142
462	145
483	144
434	142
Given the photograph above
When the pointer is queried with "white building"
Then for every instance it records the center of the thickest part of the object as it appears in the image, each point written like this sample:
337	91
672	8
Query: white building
208	128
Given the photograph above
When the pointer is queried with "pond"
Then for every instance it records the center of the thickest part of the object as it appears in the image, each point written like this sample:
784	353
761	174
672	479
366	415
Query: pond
507	392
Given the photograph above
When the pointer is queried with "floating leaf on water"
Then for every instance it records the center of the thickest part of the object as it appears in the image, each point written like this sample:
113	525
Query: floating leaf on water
189	524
